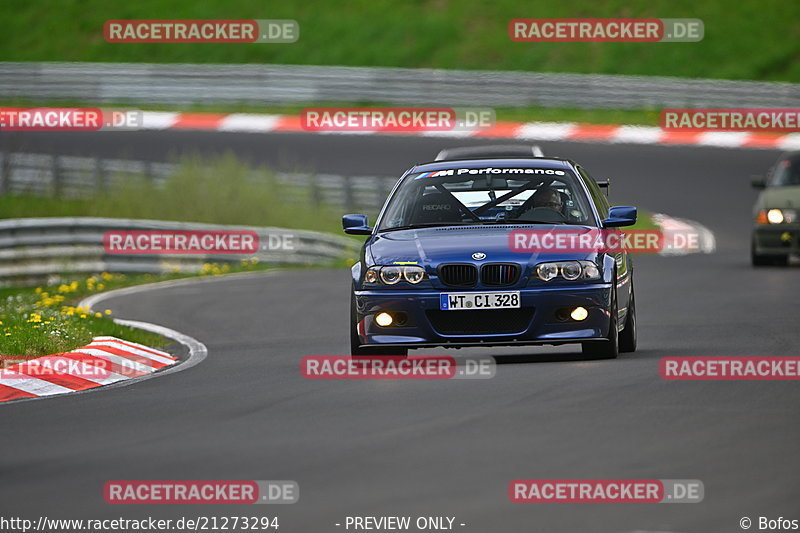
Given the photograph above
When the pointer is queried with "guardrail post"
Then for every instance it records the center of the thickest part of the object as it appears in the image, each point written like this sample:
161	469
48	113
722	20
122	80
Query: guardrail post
56	172
315	193
349	197
5	171
99	175
149	171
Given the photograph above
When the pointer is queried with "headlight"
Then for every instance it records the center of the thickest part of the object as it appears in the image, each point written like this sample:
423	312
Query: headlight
776	216
547	271
413	274
569	270
391	274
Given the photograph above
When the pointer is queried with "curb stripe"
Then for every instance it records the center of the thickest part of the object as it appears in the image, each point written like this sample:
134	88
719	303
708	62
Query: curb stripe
531	131
35	386
103	352
10	393
131	344
38	377
120	364
36	369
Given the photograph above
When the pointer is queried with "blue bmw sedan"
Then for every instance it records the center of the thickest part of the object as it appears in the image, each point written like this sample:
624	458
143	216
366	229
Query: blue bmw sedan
439	268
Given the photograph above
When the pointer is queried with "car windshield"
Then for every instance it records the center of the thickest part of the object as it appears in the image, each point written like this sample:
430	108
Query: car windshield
787	173
488	196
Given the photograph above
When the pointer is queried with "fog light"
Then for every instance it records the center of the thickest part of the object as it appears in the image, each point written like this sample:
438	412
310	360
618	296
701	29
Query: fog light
579	313
384	319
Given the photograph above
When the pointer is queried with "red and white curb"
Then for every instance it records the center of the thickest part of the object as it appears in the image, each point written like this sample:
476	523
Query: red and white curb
703	242
114	359
528	131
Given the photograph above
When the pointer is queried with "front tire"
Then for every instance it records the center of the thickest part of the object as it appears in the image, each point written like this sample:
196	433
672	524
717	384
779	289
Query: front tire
357	350
627	338
609	348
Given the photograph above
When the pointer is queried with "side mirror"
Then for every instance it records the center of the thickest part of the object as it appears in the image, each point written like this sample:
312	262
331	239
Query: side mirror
620	216
356	225
758	182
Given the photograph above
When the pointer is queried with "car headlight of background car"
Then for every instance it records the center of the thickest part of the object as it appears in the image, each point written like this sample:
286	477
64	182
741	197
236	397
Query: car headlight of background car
776	216
568	270
392	274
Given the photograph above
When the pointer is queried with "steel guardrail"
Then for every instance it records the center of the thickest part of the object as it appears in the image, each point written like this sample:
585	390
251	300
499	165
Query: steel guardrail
37	250
184	84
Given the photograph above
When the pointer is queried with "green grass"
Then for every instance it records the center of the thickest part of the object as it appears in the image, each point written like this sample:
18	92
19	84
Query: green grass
45	320
748	39
218	191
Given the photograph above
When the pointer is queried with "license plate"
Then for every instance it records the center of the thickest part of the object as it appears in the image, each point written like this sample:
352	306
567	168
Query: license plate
463	301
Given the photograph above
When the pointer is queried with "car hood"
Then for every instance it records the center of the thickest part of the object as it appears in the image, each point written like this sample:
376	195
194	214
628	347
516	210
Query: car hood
433	246
778	197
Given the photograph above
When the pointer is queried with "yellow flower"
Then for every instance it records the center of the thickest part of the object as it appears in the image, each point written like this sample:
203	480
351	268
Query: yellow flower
106	276
98	315
108	311
8	334
84	316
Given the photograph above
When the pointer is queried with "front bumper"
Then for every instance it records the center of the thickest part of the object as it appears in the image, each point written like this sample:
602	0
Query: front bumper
778	239
540	319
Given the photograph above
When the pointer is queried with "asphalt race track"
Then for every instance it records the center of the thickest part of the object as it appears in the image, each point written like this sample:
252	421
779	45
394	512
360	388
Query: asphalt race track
439	448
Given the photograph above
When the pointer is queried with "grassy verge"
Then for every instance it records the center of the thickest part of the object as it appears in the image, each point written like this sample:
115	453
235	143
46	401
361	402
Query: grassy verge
45	320
743	40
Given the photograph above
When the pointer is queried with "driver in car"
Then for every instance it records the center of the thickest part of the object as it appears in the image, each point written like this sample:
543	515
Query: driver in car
548	198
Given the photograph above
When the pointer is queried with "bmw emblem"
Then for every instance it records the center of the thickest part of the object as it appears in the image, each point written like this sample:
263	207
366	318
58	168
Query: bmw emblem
478	256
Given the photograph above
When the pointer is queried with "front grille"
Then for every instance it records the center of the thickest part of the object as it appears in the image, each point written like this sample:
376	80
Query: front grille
458	275
499	274
480	322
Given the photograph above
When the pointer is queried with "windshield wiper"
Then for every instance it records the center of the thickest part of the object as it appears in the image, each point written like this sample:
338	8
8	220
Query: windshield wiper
429	225
512	221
